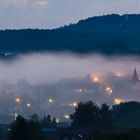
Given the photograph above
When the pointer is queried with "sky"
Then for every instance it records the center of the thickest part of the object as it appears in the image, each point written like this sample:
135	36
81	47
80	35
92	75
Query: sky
48	14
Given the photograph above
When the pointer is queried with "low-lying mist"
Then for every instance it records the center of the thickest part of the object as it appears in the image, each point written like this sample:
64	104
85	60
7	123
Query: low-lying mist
54	83
40	68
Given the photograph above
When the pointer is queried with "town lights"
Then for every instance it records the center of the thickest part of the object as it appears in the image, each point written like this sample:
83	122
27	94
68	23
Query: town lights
96	78
51	101
74	104
18	100
108	90
66	116
118	101
28	105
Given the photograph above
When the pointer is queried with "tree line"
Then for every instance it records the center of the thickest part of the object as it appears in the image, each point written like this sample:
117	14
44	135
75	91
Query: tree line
110	34
118	122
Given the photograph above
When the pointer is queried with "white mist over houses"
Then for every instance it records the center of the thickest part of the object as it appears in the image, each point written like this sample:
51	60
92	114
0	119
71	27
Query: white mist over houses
109	88
109	82
59	99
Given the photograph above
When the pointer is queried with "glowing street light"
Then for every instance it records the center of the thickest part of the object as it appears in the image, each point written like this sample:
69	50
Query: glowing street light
74	104
18	100
51	101
118	101
108	90
66	116
96	78
28	105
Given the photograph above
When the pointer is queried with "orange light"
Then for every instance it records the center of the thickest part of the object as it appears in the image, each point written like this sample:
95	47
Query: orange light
18	100
96	78
108	90
118	101
74	104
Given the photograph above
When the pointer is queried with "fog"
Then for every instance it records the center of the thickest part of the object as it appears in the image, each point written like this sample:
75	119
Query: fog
40	68
45	83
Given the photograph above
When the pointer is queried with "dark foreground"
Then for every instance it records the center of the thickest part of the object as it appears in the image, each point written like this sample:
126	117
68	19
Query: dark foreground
89	122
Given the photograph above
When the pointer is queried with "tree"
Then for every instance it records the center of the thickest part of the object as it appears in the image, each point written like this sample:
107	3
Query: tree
54	121
48	120
90	115
86	114
23	129
34	118
127	114
105	116
44	120
18	129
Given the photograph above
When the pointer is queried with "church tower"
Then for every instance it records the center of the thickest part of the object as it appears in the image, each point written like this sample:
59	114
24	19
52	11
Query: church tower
135	79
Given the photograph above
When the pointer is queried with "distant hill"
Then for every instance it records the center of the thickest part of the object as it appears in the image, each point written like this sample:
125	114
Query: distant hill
109	35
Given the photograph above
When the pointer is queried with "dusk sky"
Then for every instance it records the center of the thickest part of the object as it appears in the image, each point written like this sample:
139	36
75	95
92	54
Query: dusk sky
55	13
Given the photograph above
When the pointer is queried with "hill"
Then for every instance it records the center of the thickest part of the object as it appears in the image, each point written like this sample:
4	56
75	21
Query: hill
108	35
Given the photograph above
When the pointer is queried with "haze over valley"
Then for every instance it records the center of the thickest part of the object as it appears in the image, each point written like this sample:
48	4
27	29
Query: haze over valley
47	82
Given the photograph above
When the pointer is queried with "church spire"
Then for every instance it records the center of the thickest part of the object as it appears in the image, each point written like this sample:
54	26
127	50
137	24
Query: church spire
135	78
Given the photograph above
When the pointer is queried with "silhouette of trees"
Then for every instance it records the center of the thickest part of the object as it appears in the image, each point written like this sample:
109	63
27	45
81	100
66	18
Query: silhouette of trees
103	120
127	114
44	120
48	120
23	129
35	118
105	116
89	114
54	121
124	115
85	114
